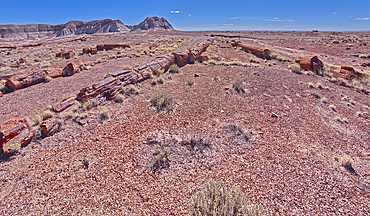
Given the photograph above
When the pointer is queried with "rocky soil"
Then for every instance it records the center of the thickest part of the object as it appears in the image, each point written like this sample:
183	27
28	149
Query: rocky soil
285	139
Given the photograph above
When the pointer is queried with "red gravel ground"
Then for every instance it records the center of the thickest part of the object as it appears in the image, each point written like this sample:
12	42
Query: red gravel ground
287	166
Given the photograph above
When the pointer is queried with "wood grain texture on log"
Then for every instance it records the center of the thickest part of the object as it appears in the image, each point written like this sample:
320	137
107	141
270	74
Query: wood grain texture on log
71	69
54	72
120	72
50	127
64	104
181	58
26	79
14	134
312	63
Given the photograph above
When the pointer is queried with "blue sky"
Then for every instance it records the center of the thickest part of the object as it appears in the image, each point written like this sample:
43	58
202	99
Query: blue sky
199	15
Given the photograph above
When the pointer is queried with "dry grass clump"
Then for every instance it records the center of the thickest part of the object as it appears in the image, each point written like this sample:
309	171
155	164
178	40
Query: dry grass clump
66	97
103	114
216	199
190	82
119	98
346	162
160	158
89	104
296	69
174	69
238	86
130	89
162	101
311	85
238	133
254	60
316	95
332	107
46	115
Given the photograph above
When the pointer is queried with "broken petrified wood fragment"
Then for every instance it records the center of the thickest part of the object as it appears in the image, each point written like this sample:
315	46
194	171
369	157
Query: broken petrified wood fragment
93	50
71	69
106	88
181	58
25	79
311	63
199	48
201	58
65	104
112	46
53	73
50	127
14	134
348	73
86	50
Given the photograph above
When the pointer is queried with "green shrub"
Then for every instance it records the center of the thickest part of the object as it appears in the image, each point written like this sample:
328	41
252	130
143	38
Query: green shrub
163	101
218	200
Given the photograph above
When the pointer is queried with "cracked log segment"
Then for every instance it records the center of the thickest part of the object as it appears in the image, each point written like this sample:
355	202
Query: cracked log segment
50	127
26	79
311	63
182	58
109	86
14	134
348	73
260	52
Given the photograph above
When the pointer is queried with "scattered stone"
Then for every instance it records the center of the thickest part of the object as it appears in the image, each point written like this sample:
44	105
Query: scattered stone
311	63
14	134
274	115
50	127
71	69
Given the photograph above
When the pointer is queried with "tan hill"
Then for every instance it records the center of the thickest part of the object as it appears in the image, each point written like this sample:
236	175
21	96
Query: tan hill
152	23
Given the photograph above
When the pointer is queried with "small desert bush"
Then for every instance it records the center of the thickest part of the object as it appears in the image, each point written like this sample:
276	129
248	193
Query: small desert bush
66	97
103	113
217	200
163	101
238	86
311	85
238	132
47	114
296	69
119	98
254	60
316	95
160	158
174	69
346	162
69	114
89	104
48	79
190	82
130	89
332	107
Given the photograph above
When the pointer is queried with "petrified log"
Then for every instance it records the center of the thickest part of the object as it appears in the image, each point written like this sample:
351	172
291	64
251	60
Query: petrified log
64	105
93	50
50	127
181	58
112	46
348	73
260	52
99	47
25	79
199	48
14	134
71	69
106	87
155	66
86	50
120	72
54	72
311	63
201	58
68	55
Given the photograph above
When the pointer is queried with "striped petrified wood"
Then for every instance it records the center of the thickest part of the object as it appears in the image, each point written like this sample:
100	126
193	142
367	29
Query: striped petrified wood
260	52
109	86
14	134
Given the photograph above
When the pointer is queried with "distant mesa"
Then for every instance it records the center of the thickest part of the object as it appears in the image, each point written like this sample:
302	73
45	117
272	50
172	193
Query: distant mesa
80	27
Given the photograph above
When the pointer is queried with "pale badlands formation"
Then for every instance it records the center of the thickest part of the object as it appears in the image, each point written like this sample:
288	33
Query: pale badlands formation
80	27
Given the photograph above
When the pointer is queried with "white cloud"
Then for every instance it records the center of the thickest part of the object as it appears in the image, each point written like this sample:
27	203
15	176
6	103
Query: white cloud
228	24
363	18
233	18
189	14
335	13
175	12
276	18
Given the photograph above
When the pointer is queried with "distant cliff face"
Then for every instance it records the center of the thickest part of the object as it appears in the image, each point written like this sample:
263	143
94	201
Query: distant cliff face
151	23
80	27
